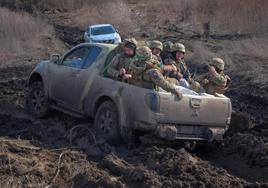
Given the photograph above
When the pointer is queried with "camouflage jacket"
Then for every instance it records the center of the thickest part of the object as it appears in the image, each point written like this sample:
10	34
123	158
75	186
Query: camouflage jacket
218	79
158	59
118	62
216	82
149	75
181	70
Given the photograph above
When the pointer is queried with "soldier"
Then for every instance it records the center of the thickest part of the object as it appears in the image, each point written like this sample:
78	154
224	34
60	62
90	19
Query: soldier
182	73
119	66
156	48
147	72
166	53
216	81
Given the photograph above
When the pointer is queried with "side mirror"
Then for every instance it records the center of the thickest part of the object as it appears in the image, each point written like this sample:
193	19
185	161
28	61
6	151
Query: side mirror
55	58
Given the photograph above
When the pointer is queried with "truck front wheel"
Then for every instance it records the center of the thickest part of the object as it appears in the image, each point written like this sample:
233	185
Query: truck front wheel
37	102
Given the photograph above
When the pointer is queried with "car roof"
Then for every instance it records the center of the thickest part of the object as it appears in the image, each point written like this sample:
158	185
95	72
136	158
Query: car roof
97	44
100	25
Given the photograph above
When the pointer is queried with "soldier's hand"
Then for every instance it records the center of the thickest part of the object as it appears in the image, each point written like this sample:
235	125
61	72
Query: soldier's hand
174	68
205	82
170	62
212	68
179	94
149	65
122	71
127	76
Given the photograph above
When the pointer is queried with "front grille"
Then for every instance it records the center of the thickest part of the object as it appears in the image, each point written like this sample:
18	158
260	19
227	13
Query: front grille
108	41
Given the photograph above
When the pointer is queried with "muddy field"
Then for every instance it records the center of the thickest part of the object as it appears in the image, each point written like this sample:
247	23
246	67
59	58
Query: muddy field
62	151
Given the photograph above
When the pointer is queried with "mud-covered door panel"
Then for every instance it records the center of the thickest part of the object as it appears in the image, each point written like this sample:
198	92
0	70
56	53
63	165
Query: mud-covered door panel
63	77
89	71
138	108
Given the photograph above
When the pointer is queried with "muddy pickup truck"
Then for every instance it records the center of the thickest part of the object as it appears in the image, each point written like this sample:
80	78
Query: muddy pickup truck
74	83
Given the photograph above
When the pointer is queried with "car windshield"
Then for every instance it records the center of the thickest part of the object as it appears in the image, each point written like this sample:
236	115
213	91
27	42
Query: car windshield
102	30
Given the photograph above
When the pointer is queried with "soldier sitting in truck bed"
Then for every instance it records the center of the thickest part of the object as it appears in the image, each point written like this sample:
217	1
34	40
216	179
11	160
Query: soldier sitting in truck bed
119	66
147	72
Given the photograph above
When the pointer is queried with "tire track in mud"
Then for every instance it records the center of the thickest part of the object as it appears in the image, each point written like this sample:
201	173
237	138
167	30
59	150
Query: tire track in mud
123	167
108	166
153	166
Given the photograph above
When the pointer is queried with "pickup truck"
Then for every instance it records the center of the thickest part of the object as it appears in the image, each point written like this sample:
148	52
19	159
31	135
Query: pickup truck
75	84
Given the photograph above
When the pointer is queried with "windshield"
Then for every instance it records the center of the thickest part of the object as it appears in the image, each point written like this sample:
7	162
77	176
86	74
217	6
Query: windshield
102	30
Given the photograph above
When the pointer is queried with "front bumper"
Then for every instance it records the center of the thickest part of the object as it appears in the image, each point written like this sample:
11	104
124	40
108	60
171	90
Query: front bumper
110	41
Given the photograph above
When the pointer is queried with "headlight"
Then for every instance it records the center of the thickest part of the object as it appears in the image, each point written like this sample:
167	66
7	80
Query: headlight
92	40
117	39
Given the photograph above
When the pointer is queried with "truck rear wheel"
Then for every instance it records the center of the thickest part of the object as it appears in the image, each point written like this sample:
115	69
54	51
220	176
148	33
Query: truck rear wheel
106	122
37	102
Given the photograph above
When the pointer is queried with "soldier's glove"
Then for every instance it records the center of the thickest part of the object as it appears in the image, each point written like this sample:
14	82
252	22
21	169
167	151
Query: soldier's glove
122	72
127	76
174	68
178	94
170	62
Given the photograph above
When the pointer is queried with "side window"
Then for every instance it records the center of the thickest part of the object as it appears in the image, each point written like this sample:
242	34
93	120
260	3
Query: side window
93	55
76	58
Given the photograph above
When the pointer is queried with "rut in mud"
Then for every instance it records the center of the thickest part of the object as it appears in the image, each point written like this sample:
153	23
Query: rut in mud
62	151
50	151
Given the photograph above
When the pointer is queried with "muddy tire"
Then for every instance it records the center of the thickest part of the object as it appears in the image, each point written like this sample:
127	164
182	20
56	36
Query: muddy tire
37	102
107	122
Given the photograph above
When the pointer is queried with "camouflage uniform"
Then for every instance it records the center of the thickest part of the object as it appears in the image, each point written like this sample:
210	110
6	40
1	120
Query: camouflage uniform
181	68
166	53
147	72
121	60
216	81
181	72
166	68
158	45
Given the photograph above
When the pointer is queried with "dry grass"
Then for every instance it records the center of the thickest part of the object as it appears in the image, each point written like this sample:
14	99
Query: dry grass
62	5
23	38
225	16
20	33
115	12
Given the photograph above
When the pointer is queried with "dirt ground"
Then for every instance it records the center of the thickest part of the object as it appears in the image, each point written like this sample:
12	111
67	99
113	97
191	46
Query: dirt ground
62	151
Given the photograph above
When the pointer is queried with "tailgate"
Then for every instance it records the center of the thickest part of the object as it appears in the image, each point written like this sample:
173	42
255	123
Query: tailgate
195	110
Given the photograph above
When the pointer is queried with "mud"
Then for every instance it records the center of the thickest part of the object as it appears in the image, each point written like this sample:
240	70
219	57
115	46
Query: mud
62	151
70	35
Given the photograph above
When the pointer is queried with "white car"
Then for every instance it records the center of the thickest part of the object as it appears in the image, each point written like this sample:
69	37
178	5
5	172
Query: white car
102	33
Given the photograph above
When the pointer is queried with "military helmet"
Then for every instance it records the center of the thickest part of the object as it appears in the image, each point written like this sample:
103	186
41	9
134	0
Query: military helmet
178	47
130	42
143	53
218	62
167	46
156	44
